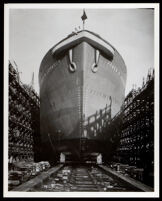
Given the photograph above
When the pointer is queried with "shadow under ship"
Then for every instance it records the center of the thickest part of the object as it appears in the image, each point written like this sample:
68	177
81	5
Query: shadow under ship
82	85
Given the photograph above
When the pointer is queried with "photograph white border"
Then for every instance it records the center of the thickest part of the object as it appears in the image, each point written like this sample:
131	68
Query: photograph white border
7	8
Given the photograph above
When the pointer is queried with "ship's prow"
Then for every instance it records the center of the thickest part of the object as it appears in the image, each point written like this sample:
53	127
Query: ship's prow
88	37
82	85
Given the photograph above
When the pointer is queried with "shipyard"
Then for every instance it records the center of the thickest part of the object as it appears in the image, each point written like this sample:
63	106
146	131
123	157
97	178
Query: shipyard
25	153
81	131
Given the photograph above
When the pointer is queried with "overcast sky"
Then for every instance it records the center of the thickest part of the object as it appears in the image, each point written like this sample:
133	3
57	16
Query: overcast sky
32	32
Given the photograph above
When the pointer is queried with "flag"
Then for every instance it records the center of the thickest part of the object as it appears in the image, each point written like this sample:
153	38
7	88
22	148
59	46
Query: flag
84	16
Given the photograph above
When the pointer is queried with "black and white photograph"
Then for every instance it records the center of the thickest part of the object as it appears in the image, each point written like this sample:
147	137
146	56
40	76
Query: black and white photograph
81	94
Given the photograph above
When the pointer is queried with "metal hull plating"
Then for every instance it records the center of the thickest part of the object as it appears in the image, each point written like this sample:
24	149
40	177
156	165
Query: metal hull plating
69	99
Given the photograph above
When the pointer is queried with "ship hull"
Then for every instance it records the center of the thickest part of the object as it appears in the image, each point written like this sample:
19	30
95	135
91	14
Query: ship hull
76	105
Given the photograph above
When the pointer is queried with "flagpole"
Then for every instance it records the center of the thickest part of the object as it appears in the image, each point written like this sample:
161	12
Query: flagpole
83	24
84	17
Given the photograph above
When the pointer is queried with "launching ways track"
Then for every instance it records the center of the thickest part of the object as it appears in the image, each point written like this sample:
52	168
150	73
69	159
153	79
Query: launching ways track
82	178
